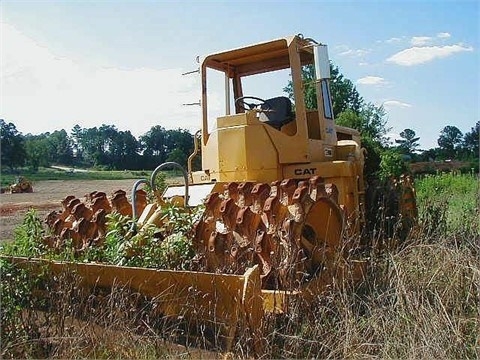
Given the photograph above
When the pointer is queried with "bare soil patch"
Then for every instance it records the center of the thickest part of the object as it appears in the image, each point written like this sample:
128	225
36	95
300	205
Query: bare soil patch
47	196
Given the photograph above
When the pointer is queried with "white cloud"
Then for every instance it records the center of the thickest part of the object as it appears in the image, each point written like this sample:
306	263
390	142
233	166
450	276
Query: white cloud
389	104
424	40
420	40
372	80
443	35
43	92
420	55
341	48
393	40
354	53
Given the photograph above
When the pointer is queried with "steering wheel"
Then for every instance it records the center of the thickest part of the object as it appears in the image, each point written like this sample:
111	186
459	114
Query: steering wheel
240	102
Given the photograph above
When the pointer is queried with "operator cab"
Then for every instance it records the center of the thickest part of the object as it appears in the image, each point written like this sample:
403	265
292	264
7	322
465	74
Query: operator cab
292	64
303	118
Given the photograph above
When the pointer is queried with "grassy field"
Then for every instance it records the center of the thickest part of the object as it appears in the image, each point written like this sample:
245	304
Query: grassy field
449	202
76	174
420	299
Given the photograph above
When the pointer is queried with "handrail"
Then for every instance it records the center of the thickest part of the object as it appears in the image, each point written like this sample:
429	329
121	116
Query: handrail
134	196
167	164
195	152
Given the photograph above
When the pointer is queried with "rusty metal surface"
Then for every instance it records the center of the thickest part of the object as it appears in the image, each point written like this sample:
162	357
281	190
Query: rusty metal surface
84	221
292	229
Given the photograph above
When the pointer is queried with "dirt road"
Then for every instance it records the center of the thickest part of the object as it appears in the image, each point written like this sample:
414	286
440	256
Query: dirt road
46	197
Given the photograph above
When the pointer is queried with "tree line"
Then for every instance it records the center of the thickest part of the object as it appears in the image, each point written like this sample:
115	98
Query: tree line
107	147
104	148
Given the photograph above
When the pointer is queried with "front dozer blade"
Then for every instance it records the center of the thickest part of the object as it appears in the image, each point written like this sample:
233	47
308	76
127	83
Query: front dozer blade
225	303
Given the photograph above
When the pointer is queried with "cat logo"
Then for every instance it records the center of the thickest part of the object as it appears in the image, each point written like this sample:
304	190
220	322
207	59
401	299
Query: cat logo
310	171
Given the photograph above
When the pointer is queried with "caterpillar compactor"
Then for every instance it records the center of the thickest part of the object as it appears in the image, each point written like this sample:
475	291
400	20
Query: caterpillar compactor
285	183
282	188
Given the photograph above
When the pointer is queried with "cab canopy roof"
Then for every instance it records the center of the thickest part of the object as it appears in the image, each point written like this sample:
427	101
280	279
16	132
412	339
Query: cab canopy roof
260	58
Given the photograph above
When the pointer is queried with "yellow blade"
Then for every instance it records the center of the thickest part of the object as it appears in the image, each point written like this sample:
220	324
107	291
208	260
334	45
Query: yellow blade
224	301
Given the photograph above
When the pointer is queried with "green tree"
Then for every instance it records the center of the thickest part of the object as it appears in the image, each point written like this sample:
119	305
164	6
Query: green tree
471	140
344	94
108	137
391	164
13	153
449	141
76	137
178	156
61	148
131	151
178	146
372	125
160	145
180	139
93	145
38	151
408	143
123	151
429	154
154	147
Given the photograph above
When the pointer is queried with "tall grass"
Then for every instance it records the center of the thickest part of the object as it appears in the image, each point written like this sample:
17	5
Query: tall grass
418	300
452	200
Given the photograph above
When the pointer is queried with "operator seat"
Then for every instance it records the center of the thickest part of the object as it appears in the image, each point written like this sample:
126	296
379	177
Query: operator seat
277	112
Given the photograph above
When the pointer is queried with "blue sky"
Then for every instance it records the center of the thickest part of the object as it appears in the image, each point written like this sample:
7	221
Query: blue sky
120	62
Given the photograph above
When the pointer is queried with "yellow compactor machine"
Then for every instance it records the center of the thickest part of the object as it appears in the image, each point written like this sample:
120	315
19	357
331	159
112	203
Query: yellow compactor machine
283	190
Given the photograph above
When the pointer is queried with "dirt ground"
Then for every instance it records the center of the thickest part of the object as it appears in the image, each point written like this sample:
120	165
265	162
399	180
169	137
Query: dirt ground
47	196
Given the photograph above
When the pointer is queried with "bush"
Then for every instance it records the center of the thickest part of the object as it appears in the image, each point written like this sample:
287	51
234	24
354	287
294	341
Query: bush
392	164
27	238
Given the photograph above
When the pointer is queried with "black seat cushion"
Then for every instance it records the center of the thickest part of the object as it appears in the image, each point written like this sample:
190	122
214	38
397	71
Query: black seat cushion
277	111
